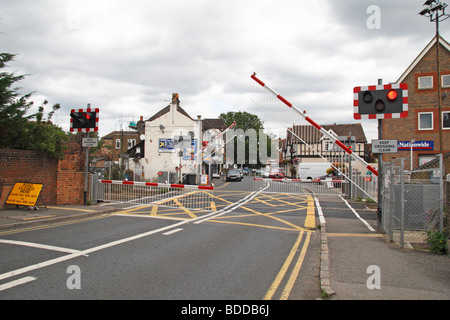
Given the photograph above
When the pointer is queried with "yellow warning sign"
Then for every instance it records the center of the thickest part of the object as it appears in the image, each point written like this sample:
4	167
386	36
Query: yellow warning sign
24	194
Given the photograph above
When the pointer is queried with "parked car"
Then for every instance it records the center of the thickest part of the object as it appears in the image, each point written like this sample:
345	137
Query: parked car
234	175
266	173
276	173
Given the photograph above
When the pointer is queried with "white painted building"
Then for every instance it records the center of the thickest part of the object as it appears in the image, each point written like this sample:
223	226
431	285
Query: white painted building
161	148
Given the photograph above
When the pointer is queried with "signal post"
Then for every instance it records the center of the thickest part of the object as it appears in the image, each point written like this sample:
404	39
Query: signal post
82	120
380	102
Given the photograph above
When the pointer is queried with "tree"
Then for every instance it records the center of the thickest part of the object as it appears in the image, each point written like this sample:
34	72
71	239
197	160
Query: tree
246	121
19	130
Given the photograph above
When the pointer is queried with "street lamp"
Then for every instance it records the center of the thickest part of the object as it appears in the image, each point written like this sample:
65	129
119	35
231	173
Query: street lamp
436	13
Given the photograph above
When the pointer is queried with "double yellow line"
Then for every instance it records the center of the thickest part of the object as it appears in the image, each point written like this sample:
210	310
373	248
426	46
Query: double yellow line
294	274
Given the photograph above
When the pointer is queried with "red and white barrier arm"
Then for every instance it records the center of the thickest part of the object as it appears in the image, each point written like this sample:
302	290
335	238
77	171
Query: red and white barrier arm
160	185
299	180
317	126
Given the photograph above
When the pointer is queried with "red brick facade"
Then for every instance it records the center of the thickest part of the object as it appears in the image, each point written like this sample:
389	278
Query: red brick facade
63	180
422	100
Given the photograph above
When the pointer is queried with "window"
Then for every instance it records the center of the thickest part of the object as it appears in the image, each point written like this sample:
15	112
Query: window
425	158
446	120
426	82
328	146
425	120
446	81
131	143
117	143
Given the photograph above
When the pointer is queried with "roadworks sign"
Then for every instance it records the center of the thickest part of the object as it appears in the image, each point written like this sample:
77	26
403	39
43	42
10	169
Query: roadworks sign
24	194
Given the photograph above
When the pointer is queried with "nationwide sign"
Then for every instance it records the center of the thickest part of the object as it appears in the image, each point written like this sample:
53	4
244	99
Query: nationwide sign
418	145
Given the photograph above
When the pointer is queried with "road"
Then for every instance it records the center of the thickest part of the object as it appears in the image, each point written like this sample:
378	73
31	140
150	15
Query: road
259	250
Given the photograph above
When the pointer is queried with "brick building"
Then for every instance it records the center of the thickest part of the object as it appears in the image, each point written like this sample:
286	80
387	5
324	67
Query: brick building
428	121
63	180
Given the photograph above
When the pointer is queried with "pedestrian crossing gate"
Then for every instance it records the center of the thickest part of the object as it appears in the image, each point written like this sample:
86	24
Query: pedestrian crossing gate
161	194
301	186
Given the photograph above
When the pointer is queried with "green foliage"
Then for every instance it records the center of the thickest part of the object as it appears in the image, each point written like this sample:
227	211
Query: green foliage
437	241
244	120
434	237
19	130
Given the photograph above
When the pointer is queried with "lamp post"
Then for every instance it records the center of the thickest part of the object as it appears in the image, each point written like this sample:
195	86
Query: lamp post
436	12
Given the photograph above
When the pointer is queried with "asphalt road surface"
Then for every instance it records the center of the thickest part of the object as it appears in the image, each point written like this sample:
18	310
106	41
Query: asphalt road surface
251	245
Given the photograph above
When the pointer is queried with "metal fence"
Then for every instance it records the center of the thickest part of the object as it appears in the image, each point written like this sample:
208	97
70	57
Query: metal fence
169	195
412	202
362	186
301	186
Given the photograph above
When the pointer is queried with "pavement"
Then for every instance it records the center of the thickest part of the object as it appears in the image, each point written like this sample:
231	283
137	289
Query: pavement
353	266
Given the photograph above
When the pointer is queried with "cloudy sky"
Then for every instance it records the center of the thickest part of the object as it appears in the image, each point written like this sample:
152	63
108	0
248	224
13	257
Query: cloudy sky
128	57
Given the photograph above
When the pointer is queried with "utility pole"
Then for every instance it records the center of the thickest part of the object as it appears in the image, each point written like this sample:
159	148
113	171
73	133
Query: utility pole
436	12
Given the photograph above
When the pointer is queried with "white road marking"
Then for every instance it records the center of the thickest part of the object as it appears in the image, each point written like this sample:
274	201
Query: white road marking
357	215
16	283
319	211
101	247
135	237
172	231
231	207
146	216
38	245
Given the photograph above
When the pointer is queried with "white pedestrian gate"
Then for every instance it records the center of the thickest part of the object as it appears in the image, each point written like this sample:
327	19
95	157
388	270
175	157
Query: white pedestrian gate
301	186
161	194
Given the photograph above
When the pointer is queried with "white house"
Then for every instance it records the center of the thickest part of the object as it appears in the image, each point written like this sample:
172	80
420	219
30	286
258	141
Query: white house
162	150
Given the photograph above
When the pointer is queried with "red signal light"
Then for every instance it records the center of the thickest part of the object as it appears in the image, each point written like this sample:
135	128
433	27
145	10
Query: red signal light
392	95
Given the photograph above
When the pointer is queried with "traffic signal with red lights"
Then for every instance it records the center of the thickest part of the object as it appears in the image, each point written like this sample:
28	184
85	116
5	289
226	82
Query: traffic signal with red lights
380	102
84	120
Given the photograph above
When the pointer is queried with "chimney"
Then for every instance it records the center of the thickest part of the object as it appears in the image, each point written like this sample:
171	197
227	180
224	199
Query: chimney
173	105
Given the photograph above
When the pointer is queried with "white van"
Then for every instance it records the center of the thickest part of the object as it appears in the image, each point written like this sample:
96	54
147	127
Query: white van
312	170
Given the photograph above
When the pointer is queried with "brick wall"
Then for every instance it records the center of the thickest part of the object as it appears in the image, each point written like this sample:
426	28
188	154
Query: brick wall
70	174
28	166
63	180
